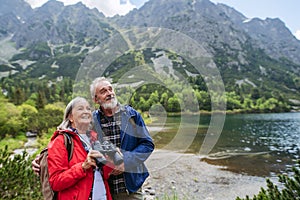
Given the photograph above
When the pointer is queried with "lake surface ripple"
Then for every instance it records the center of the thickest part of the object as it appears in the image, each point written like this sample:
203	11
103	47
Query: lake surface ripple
252	144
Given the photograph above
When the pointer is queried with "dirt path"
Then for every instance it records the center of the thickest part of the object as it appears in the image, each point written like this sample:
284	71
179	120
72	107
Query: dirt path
190	178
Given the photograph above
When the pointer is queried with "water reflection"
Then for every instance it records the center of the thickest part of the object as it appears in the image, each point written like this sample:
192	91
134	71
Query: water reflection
254	144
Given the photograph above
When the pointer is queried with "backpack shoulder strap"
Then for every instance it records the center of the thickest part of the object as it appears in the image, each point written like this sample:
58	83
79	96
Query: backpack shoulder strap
97	125
132	121
132	118
69	144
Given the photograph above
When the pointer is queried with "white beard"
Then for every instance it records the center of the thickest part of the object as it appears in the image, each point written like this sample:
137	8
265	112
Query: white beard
112	104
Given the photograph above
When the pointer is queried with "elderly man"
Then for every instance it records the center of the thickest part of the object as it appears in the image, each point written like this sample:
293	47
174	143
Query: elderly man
124	127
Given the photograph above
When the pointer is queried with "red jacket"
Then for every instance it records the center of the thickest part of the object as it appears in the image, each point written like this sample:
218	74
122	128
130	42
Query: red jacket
68	177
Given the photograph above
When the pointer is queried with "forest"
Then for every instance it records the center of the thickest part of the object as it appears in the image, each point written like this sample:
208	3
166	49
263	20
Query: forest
38	106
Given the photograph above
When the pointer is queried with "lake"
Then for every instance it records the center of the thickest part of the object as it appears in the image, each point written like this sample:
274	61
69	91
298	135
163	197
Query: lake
252	144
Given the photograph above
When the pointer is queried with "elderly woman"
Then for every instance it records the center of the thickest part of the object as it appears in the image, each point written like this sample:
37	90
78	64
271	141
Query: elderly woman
78	178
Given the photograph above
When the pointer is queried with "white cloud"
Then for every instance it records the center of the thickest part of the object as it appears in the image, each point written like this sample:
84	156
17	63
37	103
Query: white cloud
297	34
36	3
109	7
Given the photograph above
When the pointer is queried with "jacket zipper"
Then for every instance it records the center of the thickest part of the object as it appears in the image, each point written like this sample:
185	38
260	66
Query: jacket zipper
121	146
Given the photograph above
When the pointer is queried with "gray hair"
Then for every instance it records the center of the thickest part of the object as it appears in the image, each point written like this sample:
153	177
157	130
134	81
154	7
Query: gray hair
94	85
66	123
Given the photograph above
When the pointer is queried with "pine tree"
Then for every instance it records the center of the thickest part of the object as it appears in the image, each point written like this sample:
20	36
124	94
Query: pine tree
19	96
41	100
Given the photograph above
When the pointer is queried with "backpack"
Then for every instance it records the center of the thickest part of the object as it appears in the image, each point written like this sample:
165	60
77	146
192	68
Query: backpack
47	191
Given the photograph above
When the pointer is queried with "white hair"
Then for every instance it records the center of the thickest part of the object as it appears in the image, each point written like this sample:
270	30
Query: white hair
66	123
94	84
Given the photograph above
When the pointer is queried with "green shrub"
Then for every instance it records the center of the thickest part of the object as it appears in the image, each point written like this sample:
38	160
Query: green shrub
289	191
17	178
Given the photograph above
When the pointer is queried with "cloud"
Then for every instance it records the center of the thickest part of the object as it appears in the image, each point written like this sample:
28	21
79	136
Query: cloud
36	3
109	7
297	34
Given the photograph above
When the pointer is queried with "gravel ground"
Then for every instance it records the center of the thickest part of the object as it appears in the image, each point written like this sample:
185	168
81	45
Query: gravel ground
189	178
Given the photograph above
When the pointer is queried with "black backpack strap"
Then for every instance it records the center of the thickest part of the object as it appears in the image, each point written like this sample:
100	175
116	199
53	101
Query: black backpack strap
97	125
69	144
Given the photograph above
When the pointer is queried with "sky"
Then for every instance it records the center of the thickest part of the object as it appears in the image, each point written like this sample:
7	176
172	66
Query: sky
286	10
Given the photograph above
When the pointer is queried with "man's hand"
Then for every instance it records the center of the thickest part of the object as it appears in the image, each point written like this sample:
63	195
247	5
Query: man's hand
35	166
118	169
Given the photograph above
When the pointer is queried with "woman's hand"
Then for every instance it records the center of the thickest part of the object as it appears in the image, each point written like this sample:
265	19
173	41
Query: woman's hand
90	159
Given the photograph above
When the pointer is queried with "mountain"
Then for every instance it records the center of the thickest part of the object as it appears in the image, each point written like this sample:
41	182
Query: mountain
12	14
248	52
57	24
51	42
216	24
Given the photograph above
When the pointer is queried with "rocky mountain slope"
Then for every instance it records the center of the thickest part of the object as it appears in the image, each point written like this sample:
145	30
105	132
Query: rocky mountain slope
53	40
215	25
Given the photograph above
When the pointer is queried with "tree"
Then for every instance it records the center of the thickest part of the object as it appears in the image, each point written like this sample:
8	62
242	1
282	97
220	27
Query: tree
41	100
190	100
173	104
248	103
143	104
49	117
3	115
164	99
255	93
13	126
29	117
19	96
203	100
62	94
233	101
53	92
10	119
153	99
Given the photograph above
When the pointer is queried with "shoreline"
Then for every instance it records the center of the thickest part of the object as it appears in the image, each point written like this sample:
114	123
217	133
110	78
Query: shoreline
187	177
206	112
